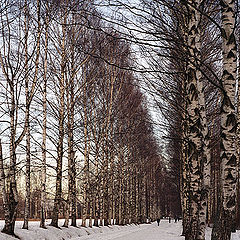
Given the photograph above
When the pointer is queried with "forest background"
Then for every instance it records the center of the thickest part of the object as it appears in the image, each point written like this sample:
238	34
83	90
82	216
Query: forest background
124	110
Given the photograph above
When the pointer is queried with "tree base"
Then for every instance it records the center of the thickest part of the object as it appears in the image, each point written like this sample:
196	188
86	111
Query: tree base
10	233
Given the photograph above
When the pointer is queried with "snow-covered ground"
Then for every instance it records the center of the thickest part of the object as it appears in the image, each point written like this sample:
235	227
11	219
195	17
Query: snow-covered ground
166	231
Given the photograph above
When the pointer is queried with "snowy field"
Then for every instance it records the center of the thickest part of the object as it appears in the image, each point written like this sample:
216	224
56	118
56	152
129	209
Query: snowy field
166	231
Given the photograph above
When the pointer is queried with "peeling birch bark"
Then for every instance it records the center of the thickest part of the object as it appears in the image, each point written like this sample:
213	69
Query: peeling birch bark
225	223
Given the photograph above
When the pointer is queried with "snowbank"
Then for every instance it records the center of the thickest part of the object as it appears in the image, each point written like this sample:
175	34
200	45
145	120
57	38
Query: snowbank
166	231
51	233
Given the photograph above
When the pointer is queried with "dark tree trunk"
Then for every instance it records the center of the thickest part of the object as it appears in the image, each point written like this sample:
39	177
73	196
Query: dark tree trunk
10	210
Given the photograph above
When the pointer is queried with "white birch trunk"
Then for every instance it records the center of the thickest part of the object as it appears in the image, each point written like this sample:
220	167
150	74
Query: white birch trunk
204	148
195	127
226	222
3	184
58	194
44	133
86	160
28	153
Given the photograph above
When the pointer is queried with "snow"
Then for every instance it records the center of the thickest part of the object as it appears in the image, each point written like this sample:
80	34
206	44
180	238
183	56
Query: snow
166	231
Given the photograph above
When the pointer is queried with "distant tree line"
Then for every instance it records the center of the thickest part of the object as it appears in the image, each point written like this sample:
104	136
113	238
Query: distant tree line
76	134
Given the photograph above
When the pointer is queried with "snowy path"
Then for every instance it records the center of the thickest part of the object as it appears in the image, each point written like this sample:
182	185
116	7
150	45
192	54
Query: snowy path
166	231
154	232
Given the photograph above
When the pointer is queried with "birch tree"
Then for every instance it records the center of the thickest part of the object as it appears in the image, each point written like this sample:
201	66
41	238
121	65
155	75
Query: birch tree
44	128
61	113
29	96
11	57
225	222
